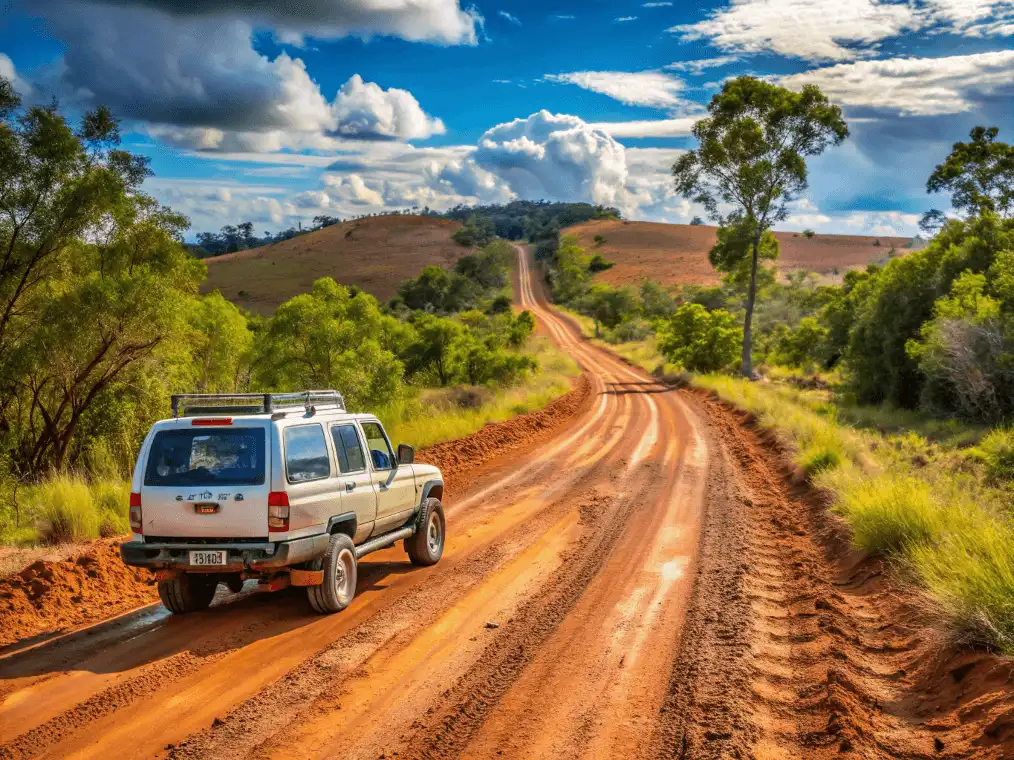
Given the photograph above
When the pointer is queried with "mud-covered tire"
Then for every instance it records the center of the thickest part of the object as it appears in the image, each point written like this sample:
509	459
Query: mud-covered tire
340	577
426	545
187	592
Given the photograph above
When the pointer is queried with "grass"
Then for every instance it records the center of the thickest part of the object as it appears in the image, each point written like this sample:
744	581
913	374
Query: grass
67	508
640	353
443	414
936	510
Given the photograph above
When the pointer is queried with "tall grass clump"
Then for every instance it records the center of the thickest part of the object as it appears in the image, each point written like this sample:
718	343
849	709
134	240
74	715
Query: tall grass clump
996	452
969	573
68	507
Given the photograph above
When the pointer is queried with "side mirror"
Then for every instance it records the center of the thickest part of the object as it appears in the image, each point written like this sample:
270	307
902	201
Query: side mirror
406	454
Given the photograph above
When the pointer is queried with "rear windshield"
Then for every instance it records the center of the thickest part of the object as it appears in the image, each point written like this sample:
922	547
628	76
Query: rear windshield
195	457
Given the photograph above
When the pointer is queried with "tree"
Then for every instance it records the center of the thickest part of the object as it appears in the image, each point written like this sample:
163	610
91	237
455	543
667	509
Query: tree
696	222
609	306
932	221
699	340
979	174
431	351
751	156
221	345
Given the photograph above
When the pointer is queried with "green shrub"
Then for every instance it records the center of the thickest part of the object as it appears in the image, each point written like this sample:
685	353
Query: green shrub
996	451
66	509
700	340
599	264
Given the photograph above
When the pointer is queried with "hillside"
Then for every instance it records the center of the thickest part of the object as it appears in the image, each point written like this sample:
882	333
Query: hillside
678	253
375	254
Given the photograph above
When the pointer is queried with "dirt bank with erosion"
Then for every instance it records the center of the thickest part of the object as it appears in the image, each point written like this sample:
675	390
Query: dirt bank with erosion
644	580
93	584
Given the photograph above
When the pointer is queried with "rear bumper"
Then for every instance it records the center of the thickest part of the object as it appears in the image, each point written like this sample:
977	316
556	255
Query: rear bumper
241	556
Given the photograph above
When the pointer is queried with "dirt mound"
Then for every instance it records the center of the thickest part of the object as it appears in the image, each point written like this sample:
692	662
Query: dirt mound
458	460
678	253
47	597
375	254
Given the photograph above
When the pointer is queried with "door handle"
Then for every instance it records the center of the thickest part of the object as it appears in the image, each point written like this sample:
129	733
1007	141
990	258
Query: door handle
349	487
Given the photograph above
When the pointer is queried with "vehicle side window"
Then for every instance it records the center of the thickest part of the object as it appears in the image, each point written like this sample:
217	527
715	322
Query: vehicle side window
380	450
306	455
348	448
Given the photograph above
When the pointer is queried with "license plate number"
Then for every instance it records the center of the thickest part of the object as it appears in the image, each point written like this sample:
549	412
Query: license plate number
202	559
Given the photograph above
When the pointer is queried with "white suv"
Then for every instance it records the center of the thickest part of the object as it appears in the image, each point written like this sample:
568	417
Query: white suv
285	488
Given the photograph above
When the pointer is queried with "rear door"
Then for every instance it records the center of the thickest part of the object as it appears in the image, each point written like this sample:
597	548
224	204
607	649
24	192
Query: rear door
313	495
204	480
395	486
358	494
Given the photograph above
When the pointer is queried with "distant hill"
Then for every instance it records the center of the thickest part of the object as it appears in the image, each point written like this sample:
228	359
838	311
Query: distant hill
678	253
375	254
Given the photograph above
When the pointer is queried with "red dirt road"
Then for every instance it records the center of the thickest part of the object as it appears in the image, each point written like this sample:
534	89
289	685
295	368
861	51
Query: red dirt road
641	584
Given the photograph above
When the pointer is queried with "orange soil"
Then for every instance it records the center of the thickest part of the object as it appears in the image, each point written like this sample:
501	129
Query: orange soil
678	253
375	254
53	596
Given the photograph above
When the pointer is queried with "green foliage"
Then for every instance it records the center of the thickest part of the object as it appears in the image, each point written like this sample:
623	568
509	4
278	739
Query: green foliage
696	222
328	338
699	340
599	239
808	234
609	306
996	452
656	302
599	264
476	232
534	220
474	280
751	156
222	345
979	175
802	347
733	252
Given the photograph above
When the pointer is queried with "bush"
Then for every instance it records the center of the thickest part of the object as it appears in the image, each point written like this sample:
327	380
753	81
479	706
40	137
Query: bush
996	452
808	233
70	508
599	264
700	340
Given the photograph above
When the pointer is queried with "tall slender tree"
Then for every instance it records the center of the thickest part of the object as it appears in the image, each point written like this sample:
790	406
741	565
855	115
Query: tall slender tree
751	162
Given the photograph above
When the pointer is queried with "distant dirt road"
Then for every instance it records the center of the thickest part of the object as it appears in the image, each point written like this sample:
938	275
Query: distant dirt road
643	585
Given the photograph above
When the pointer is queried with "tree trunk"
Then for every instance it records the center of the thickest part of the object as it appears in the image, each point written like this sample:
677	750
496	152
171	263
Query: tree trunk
747	366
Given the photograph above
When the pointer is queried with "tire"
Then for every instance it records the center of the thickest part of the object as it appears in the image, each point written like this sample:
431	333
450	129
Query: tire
426	546
340	577
188	592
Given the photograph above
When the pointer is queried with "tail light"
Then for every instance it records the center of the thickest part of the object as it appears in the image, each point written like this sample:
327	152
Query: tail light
278	512
135	512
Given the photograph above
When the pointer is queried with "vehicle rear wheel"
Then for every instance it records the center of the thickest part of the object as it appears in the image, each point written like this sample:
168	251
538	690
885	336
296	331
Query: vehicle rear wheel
340	577
426	546
187	592
235	582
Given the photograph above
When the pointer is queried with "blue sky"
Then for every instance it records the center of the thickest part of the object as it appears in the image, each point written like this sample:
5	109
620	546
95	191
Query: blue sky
252	109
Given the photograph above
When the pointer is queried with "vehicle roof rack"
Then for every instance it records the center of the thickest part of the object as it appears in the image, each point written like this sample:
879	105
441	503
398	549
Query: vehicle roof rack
202	404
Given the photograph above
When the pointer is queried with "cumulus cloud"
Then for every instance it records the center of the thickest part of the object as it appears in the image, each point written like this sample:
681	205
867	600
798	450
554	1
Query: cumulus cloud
439	21
198	82
914	86
364	109
654	89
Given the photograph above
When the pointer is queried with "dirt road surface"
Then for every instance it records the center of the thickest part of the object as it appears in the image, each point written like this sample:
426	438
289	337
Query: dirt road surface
642	585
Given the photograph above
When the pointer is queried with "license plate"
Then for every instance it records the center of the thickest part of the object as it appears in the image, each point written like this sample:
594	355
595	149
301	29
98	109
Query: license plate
205	558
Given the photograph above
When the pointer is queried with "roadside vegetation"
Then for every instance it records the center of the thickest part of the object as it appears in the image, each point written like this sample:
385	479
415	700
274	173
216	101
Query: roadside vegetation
893	391
101	321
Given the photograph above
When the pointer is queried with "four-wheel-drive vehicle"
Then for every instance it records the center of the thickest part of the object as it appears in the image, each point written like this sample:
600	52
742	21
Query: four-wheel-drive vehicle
285	488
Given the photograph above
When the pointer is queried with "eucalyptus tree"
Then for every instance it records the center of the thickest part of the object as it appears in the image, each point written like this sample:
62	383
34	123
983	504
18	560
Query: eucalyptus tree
750	162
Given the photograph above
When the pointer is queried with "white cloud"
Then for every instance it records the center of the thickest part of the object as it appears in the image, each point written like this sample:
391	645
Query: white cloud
648	128
513	19
656	5
888	223
914	86
698	66
622	19
654	89
809	29
365	109
841	30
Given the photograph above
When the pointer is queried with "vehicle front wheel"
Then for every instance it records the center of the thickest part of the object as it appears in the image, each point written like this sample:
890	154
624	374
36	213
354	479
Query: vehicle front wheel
340	577
426	545
188	592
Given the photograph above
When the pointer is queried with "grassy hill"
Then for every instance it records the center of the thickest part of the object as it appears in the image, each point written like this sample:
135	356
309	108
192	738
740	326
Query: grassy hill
678	253
375	254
